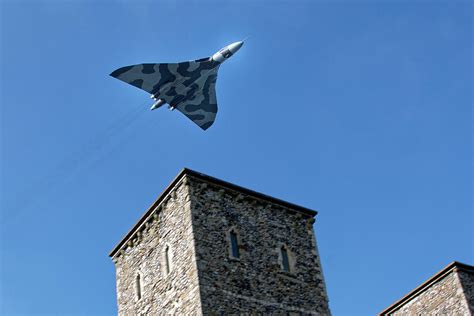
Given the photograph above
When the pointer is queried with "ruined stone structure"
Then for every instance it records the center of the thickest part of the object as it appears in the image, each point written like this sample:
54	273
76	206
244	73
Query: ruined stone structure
208	247
449	292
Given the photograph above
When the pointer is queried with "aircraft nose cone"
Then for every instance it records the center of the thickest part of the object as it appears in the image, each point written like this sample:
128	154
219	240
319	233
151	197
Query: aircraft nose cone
234	47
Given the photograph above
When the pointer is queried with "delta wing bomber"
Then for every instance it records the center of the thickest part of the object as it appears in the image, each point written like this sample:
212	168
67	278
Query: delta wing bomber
187	86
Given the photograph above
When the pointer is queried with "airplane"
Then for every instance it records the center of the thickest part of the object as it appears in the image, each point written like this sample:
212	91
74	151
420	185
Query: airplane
187	86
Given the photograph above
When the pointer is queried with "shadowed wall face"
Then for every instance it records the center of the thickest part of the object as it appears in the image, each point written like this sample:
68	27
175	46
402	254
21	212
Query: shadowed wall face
276	268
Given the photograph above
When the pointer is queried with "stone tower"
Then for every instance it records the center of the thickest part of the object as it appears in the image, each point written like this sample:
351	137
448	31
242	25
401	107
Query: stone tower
209	247
448	292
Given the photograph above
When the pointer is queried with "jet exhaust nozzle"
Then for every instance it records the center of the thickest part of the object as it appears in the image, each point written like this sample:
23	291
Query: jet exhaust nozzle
157	104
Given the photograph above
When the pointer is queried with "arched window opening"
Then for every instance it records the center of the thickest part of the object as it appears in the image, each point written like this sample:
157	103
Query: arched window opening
285	262
167	260
138	287
234	245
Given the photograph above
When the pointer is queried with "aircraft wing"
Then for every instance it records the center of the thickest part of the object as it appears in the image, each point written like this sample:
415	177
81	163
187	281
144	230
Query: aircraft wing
148	77
151	77
201	107
188	86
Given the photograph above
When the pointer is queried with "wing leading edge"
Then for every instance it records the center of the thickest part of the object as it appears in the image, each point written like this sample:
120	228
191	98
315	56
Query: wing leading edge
188	86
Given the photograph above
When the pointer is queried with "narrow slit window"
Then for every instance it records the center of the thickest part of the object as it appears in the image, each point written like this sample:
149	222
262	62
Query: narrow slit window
167	260
138	287
284	259
234	244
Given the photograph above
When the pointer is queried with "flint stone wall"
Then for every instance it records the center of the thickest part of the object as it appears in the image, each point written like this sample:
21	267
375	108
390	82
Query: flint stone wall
256	282
194	221
447	296
176	293
467	281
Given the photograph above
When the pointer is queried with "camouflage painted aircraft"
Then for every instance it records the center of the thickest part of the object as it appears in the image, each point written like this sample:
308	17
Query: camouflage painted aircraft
188	86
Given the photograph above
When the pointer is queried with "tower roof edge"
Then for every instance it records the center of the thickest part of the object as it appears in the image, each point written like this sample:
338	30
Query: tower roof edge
215	181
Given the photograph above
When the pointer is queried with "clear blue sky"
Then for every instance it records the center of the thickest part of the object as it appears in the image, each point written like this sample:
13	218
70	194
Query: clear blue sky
360	110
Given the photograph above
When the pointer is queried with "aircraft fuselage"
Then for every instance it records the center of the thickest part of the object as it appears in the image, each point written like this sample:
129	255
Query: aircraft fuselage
187	85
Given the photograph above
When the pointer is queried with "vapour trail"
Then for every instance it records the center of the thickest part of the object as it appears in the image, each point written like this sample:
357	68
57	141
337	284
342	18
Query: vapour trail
91	152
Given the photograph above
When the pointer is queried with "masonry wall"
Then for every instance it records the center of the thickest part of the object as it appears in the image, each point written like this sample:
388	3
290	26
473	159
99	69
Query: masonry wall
256	282
174	293
445	297
467	281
